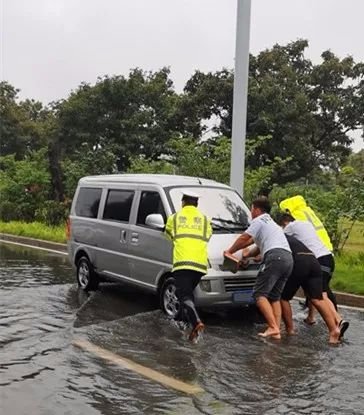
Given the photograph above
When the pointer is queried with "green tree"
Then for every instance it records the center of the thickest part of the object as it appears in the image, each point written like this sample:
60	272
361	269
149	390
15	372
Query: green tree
21	123
133	115
86	162
308	110
356	161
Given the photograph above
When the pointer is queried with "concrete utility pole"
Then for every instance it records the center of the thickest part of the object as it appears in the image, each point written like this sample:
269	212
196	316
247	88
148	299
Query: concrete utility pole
240	95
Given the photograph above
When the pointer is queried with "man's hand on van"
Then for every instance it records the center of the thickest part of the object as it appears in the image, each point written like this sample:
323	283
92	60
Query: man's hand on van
257	258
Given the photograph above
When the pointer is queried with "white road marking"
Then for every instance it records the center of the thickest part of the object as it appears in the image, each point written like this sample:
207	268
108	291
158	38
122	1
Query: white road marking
128	364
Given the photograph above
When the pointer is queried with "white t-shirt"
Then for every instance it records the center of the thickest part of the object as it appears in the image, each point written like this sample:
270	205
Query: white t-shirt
267	234
305	232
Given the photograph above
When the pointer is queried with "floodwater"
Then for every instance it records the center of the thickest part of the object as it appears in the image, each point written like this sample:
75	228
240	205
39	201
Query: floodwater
42	313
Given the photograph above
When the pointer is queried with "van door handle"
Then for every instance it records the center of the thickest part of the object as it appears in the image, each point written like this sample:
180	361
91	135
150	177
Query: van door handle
134	238
123	236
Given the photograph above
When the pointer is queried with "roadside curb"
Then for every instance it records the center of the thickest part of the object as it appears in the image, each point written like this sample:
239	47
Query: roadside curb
351	300
55	246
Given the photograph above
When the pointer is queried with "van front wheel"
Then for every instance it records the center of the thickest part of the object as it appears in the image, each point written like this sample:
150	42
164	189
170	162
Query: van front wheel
87	278
168	299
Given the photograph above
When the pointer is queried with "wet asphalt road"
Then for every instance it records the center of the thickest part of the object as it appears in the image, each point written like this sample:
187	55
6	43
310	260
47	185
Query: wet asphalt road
41	372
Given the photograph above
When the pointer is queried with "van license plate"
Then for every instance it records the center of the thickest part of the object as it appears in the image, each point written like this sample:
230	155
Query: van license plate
243	296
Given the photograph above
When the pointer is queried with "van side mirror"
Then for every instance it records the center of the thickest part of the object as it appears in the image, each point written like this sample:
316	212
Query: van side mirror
155	220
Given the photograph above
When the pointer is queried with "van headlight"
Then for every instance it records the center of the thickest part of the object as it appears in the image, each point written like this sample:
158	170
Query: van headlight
205	285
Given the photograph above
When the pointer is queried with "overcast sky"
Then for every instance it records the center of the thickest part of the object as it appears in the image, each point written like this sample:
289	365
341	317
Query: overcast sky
49	47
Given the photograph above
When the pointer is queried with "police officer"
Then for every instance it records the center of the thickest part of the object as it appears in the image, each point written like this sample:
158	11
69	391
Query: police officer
190	231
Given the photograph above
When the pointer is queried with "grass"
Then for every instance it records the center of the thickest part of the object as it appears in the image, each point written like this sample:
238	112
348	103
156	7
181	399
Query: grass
35	230
349	273
355	242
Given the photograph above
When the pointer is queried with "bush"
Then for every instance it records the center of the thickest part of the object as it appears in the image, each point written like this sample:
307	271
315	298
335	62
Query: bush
24	186
52	213
8	211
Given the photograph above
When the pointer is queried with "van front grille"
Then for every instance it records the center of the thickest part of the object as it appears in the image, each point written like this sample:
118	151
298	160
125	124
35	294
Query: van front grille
236	284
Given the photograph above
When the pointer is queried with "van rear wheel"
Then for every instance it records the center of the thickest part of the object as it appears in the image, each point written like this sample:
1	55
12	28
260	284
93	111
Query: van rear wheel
87	278
169	302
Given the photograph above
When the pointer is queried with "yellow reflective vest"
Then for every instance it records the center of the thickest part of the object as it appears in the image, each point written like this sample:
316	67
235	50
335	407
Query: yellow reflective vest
298	208
190	232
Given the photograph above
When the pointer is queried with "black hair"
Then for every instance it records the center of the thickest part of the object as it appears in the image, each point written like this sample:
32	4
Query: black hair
190	200
262	203
283	218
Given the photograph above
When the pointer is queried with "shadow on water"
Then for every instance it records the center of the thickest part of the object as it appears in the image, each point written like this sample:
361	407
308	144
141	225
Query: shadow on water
42	312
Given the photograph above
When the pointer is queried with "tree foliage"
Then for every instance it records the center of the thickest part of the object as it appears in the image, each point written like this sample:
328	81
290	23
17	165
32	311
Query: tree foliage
24	185
134	116
300	119
22	123
308	110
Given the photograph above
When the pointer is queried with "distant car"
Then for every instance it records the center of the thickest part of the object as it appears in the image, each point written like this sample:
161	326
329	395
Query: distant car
116	233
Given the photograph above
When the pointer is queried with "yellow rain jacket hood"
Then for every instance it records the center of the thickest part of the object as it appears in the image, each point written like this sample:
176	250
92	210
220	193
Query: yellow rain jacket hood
299	209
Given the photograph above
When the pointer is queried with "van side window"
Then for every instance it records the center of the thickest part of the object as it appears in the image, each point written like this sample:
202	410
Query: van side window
150	202
88	202
118	205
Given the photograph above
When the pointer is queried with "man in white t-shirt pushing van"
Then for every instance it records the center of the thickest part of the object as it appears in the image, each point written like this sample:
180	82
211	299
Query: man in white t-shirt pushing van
276	267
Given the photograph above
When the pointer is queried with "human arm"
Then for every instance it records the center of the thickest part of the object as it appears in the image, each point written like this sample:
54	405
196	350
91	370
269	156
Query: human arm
251	251
241	242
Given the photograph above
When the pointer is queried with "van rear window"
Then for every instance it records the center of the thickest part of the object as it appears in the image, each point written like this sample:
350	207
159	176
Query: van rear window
118	205
88	202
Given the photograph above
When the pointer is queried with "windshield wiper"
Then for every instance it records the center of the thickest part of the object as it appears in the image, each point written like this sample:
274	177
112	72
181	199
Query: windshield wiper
218	226
229	222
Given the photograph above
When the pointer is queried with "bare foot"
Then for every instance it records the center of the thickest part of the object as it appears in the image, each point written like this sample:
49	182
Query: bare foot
273	333
309	321
334	337
291	332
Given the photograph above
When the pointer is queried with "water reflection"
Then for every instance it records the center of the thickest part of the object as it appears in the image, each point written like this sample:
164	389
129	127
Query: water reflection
24	267
42	312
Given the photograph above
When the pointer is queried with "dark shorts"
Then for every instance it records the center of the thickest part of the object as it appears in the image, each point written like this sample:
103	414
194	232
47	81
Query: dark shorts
273	274
327	263
307	274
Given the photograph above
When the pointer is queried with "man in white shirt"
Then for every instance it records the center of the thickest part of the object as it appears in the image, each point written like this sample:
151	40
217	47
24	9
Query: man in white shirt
276	267
305	232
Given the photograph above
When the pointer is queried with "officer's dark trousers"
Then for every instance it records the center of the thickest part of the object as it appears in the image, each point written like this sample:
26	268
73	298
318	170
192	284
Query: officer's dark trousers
186	282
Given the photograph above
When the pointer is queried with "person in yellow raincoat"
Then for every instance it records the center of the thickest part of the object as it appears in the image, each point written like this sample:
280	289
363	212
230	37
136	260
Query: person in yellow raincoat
297	207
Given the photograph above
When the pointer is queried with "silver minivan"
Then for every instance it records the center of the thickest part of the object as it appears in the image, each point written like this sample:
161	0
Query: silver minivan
116	233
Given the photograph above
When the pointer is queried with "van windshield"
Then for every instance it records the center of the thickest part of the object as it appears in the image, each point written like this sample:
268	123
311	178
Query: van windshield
224	207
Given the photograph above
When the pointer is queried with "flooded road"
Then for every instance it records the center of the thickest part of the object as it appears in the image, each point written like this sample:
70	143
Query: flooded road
42	314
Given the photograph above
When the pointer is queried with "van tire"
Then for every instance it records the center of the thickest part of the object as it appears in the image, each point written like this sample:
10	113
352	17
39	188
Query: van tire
87	278
168	299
